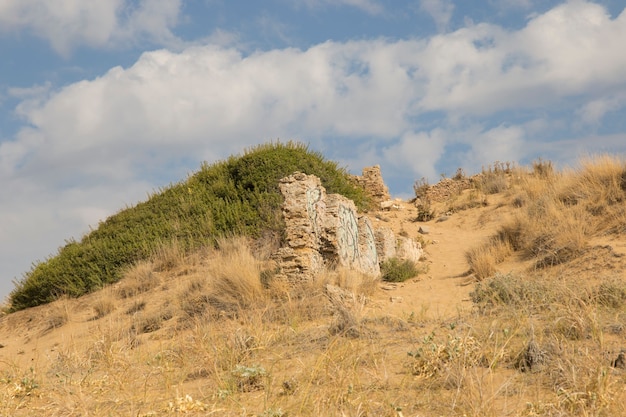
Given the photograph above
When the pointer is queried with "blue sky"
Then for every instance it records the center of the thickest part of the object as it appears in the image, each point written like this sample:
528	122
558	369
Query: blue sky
103	102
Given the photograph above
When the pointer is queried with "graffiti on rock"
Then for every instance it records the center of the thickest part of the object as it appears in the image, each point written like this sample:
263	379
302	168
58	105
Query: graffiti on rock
347	235
313	197
367	247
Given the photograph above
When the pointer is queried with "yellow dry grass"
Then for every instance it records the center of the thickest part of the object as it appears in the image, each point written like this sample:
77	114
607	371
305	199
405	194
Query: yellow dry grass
203	335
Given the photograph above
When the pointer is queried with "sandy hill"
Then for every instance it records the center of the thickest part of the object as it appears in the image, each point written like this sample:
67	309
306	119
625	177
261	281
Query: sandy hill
519	309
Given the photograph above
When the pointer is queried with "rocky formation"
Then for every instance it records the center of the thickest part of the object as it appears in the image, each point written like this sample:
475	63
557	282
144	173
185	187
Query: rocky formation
372	182
326	231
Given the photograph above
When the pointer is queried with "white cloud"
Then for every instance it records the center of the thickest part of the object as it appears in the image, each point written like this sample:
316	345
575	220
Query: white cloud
501	143
481	69
440	10
216	99
67	24
418	152
210	101
594	111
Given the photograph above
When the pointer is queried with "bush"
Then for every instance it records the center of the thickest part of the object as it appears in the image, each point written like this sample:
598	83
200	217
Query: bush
398	270
239	196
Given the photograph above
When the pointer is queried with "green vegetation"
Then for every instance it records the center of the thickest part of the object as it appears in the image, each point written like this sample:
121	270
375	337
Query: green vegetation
238	196
398	270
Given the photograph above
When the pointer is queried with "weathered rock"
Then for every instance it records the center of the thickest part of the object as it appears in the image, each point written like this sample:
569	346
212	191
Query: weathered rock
368	255
385	243
409	249
303	210
390	205
325	231
372	182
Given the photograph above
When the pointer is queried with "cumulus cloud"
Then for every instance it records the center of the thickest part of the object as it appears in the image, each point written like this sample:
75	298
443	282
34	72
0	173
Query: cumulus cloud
67	24
419	151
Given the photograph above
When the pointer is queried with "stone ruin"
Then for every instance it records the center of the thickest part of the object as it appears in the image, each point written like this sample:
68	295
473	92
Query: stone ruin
325	231
372	182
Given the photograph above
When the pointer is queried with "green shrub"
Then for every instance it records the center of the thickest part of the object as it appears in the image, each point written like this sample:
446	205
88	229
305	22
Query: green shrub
398	270
238	196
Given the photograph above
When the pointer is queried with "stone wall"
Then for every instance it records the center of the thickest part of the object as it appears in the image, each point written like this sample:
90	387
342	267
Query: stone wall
326	231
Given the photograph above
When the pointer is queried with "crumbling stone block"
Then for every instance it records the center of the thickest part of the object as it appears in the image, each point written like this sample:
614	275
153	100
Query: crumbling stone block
372	182
325	231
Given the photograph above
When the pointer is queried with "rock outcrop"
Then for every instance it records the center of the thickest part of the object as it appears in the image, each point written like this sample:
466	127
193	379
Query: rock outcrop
326	231
372	182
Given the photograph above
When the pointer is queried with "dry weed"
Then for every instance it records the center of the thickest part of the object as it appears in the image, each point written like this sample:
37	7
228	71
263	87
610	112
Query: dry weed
235	277
483	259
168	257
57	315
140	278
103	305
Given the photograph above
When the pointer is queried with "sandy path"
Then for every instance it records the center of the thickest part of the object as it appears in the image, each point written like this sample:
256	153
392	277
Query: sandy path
441	293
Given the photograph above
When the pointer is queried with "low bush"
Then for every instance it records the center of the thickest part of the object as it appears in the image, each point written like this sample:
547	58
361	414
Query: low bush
398	270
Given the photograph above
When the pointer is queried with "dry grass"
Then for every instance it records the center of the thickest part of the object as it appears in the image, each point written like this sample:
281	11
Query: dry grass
205	336
557	213
484	259
103	305
138	279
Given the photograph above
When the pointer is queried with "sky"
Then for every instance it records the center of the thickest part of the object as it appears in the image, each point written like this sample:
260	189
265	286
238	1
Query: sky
102	103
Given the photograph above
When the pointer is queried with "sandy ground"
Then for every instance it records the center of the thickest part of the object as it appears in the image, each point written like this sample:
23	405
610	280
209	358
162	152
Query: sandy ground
443	291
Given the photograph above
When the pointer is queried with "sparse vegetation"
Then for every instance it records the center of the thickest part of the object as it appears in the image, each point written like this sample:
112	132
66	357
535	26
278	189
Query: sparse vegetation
494	179
558	214
238	196
398	270
540	334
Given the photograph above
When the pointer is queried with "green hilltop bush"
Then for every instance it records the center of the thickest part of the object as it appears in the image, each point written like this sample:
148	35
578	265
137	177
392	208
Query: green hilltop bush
238	196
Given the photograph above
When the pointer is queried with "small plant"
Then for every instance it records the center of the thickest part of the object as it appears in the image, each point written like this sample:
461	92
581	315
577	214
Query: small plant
543	168
273	412
421	187
249	378
103	306
432	357
493	182
136	307
424	211
509	289
483	259
611	293
152	323
459	175
138	279
187	404
57	316
25	386
398	270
